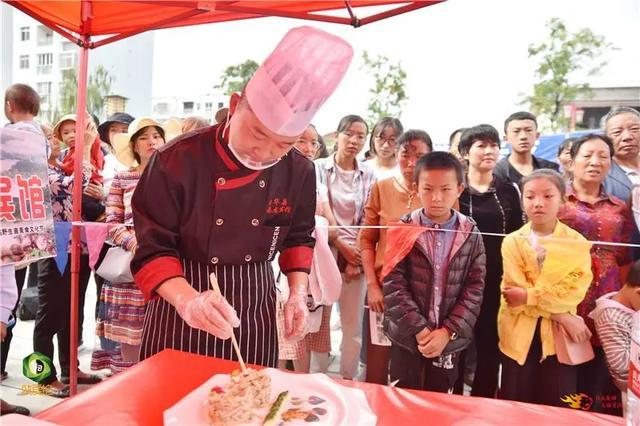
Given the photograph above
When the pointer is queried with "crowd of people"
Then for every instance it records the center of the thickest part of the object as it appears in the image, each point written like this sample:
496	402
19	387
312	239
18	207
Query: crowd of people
473	262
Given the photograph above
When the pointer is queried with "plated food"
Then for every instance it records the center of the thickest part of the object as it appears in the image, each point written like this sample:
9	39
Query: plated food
271	397
236	402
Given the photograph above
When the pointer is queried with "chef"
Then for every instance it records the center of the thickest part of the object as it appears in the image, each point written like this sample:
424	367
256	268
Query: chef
225	200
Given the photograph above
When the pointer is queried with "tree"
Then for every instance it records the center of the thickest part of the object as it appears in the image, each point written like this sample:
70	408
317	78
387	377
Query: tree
388	94
562	59
98	86
236	77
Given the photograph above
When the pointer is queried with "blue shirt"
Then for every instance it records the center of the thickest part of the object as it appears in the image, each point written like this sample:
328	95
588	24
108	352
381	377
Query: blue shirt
438	245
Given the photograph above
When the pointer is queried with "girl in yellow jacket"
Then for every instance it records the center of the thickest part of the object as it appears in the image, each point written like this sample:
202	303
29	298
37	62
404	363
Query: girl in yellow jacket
547	271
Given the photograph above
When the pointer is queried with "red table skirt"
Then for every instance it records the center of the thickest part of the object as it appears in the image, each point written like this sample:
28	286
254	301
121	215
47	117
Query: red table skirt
141	394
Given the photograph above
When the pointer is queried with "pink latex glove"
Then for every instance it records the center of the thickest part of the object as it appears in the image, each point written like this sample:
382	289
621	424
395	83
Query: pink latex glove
295	316
208	311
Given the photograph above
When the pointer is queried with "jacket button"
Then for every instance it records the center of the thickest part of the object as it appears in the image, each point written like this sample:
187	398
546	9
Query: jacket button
214	260
222	181
247	258
219	221
255	222
262	183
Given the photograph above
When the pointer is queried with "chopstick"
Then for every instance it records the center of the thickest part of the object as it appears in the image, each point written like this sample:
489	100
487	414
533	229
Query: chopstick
216	289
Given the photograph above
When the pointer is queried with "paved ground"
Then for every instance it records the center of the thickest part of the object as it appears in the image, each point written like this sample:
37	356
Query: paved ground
22	345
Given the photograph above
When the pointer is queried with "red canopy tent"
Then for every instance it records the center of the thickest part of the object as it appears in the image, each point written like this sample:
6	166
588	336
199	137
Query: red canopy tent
80	20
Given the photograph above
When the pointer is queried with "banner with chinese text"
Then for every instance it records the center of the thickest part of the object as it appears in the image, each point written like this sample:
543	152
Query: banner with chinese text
26	219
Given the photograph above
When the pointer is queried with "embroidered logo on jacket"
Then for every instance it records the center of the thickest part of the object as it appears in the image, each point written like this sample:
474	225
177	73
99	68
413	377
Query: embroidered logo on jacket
278	206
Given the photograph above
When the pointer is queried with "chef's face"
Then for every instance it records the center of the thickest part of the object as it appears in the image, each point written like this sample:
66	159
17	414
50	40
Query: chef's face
256	145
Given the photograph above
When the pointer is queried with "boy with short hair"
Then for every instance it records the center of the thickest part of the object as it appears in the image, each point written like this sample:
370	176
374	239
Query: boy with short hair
433	280
521	132
613	318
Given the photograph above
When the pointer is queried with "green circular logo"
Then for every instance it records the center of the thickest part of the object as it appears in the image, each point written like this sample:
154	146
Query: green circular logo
37	367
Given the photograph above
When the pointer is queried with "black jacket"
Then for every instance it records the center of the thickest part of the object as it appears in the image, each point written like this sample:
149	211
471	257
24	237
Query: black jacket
196	202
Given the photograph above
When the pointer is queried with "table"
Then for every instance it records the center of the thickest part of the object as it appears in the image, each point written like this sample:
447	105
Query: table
142	393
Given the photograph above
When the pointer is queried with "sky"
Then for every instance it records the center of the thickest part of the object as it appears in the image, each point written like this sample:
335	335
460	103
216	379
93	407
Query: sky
466	60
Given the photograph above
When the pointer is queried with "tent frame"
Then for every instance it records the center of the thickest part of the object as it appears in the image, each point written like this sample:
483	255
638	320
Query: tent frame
83	40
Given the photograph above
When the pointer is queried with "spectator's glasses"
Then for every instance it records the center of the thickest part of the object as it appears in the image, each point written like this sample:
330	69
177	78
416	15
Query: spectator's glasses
390	141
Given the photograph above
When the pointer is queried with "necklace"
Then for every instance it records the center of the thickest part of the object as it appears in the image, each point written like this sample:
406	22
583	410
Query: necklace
411	194
495	196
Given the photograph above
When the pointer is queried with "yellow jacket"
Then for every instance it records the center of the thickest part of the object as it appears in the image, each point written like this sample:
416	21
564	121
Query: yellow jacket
557	288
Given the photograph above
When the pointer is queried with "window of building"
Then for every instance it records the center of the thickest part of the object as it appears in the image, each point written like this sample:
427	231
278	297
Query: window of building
220	105
187	107
24	34
24	62
68	60
161	108
45	62
208	106
67	46
44	90
45	36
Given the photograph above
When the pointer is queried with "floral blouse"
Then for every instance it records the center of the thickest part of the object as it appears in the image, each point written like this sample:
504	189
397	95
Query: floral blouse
61	188
608	219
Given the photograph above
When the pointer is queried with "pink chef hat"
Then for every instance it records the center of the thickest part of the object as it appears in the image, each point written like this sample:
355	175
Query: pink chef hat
297	78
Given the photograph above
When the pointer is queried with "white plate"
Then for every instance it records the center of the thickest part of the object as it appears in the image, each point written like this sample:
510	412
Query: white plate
340	405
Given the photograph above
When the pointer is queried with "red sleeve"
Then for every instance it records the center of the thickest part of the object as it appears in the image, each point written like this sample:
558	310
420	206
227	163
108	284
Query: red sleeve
152	274
296	259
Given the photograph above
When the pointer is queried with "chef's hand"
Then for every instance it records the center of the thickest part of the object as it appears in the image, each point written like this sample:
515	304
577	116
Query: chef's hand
295	316
208	311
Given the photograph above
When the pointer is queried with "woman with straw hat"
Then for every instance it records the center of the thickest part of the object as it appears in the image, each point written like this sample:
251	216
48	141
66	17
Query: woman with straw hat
223	200
121	309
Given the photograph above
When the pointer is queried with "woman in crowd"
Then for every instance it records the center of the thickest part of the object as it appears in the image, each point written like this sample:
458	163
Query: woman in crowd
598	216
116	124
495	207
564	157
547	271
390	199
54	287
349	182
454	141
318	343
382	147
121	311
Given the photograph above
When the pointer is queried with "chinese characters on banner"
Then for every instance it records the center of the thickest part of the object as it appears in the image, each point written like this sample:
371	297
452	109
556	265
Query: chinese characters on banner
26	220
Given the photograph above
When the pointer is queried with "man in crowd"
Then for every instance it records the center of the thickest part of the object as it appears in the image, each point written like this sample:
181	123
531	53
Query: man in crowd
622	125
521	132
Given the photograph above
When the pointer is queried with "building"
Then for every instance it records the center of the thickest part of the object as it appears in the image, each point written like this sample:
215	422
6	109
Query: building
38	56
204	106
6	45
588	109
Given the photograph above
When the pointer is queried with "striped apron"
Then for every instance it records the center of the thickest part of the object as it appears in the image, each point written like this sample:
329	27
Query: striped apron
250	288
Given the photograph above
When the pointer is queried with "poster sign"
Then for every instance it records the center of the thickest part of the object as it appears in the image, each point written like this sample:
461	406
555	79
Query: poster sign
26	219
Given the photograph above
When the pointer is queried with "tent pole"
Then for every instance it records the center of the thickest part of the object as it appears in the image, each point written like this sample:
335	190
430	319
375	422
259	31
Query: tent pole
77	212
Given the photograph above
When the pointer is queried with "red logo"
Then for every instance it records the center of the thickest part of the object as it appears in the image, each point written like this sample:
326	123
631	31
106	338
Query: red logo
278	206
